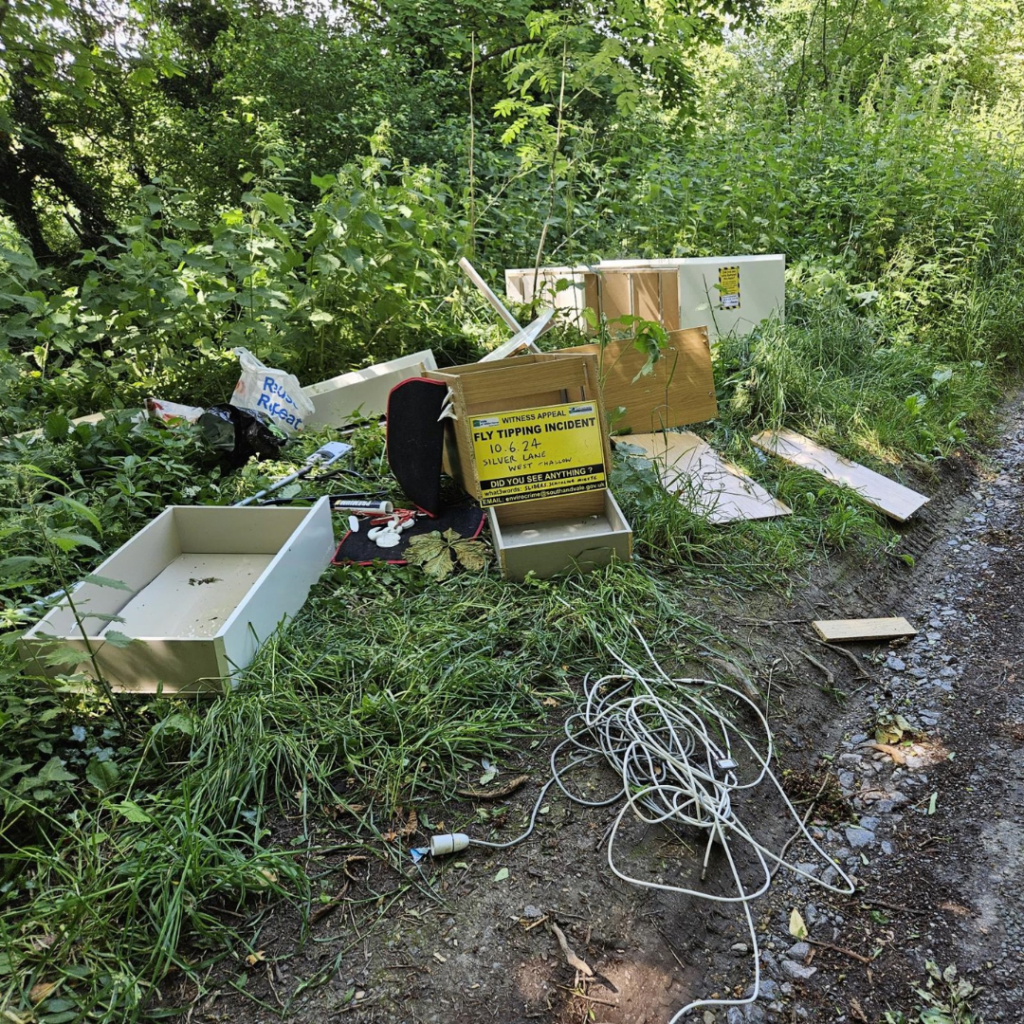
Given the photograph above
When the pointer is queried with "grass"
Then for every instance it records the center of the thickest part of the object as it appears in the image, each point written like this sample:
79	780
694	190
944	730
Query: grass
387	689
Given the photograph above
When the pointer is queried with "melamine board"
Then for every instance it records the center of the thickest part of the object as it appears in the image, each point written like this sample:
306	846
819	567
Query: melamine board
689	466
895	500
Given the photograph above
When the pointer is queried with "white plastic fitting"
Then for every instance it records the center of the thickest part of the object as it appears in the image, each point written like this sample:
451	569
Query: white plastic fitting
450	842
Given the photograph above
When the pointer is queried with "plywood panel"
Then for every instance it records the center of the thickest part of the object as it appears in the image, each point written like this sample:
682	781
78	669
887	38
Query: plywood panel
878	491
493	391
689	466
616	295
680	389
592	292
839	630
646	296
670	300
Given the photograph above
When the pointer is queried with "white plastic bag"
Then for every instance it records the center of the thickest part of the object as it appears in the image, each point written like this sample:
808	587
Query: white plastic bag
273	392
159	409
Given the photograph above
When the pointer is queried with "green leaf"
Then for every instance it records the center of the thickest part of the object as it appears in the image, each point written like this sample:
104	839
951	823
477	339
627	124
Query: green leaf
68	540
64	655
501	875
374	223
321	316
105	581
54	771
142	76
56	426
65	1017
277	205
102	774
118	640
132	811
176	722
82	510
14	562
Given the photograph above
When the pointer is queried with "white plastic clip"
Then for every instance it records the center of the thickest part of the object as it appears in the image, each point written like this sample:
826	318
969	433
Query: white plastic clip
448	410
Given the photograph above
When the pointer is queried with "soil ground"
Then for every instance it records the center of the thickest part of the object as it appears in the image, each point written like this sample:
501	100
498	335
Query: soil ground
929	823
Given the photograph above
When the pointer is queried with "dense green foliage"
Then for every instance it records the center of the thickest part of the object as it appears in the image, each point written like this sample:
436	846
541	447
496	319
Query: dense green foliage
203	175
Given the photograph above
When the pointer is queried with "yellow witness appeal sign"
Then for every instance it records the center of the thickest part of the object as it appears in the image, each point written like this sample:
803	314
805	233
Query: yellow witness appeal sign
538	453
729	287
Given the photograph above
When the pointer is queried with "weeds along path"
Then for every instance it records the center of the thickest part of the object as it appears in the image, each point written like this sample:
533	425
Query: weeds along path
905	759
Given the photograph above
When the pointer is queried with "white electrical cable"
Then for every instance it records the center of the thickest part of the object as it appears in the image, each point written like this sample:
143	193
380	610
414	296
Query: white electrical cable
672	747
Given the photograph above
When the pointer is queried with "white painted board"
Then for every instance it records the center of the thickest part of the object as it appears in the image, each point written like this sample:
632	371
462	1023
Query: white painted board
690	468
206	586
895	500
706	297
363	392
564	288
526	339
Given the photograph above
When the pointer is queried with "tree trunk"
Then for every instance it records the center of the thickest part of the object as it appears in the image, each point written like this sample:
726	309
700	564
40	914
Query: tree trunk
17	201
43	155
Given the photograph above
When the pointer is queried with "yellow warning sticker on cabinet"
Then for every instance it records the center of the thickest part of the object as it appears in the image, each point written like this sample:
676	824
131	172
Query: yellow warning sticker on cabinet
538	453
729	287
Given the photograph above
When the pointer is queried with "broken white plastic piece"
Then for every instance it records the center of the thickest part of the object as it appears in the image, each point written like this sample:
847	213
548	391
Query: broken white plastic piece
450	842
448	409
387	539
353	523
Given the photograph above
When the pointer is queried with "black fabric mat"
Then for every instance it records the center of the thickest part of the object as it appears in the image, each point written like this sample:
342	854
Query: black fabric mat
465	520
415	440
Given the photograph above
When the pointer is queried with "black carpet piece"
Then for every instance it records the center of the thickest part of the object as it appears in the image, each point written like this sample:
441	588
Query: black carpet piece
416	440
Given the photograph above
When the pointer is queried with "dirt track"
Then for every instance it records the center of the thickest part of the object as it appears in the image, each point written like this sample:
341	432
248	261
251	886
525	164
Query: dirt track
936	843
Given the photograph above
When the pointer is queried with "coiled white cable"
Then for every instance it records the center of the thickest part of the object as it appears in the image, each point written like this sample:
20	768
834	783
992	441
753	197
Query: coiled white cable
672	746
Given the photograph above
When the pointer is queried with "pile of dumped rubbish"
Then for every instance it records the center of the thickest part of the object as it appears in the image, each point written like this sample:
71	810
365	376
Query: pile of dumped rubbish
527	437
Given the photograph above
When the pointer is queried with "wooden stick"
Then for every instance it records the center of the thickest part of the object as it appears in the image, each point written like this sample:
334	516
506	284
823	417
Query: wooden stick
570	957
849	654
817	664
840	949
485	290
580	995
